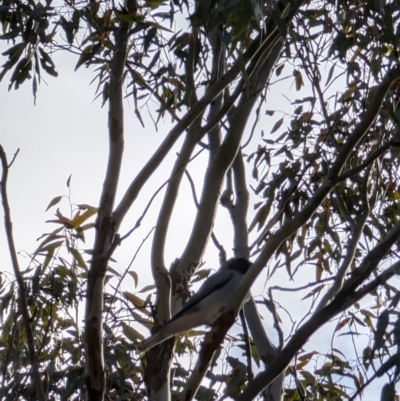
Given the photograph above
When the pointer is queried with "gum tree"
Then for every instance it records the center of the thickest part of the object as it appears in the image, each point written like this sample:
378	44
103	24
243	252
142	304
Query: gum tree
323	182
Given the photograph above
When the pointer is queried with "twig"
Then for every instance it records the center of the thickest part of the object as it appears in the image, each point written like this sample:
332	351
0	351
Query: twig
292	225
20	281
271	306
126	271
344	299
303	287
357	230
13	159
146	209
247	345
367	162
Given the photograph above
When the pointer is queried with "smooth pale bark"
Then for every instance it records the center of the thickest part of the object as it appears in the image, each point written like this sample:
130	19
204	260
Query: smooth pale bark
105	237
258	74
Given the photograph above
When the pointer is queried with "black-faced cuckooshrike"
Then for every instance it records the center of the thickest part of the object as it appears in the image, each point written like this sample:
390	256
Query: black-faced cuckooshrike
206	305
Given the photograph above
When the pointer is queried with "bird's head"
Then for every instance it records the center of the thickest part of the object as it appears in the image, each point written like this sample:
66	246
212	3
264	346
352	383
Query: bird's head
240	265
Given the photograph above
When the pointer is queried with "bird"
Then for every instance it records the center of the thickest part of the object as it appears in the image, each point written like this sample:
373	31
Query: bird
211	301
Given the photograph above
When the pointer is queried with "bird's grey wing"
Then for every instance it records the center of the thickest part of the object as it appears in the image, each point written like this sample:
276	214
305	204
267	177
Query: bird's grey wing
214	282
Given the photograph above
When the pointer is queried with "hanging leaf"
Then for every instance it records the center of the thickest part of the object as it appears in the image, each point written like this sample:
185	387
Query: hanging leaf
342	323
78	257
53	202
153	4
87	54
62	219
139	303
69	181
131	333
48	258
147	288
277	125
330	74
135	277
279	69
380	331
47	63
49	238
80	218
298	78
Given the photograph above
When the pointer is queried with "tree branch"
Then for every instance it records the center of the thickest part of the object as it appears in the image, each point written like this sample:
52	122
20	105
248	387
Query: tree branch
238	213
257	47
222	252
218	69
246	340
105	228
369	117
215	174
292	225
20	281
344	299
240	208
351	248
227	153
370	159
210	344
157	253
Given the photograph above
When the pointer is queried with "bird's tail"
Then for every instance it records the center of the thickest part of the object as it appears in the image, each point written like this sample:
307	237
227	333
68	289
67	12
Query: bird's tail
155	339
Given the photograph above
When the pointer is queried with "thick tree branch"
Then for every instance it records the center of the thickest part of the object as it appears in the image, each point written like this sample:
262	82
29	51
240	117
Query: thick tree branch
227	153
265	348
159	270
238	212
164	217
217	71
105	229
210	344
157	377
240	208
214	239
155	373
20	280
212	184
